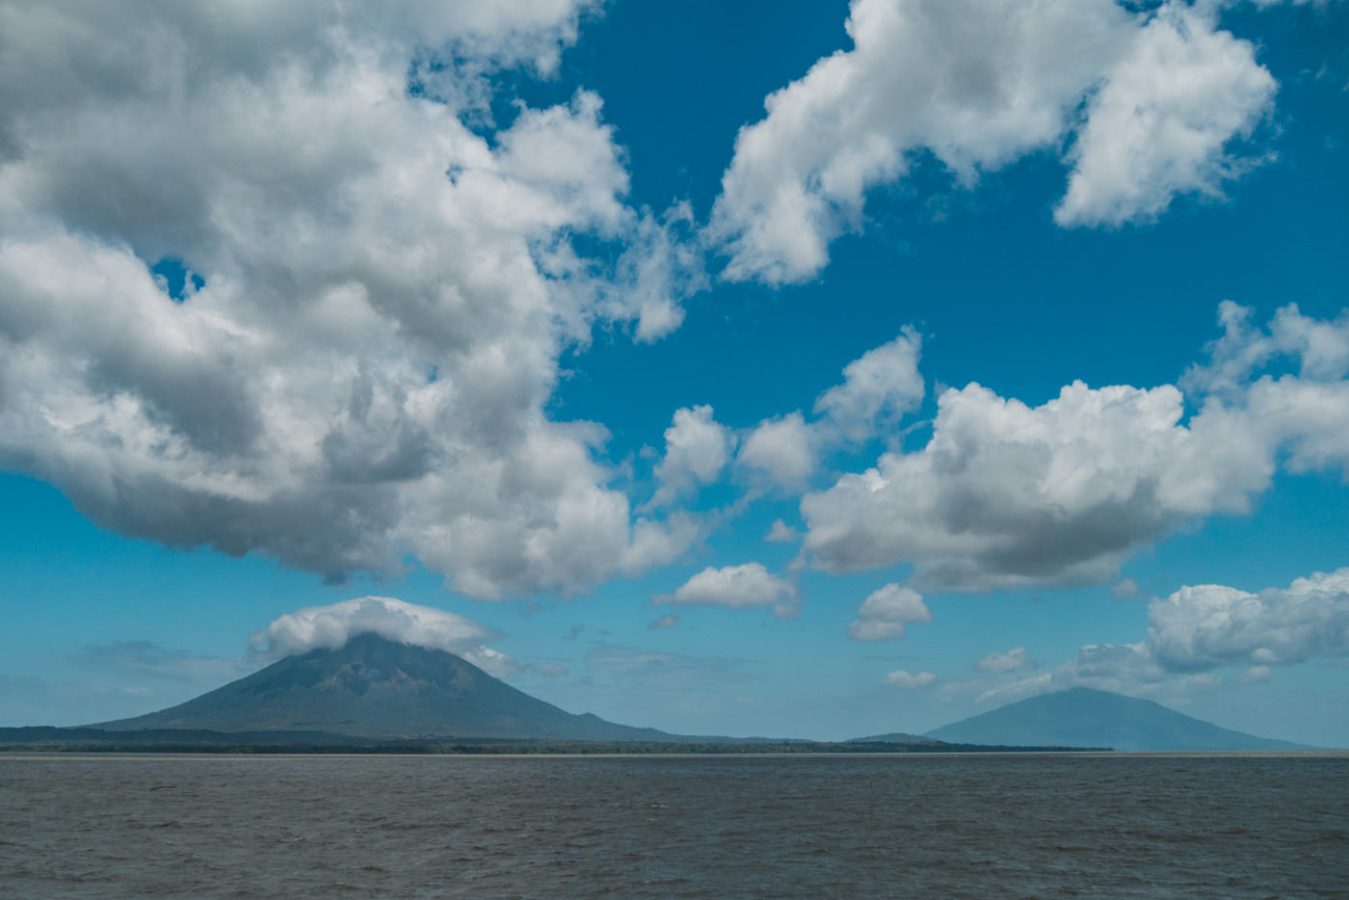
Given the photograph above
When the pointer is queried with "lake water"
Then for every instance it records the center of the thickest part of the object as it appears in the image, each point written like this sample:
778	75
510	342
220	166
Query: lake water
643	826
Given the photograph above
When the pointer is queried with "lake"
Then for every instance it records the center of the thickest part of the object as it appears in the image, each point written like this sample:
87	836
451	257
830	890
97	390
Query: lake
1041	825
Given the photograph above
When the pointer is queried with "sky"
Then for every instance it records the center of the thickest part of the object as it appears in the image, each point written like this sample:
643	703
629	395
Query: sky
809	369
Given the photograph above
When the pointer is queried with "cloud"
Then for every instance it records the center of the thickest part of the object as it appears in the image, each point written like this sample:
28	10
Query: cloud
1013	660
886	611
664	623
697	448
782	449
1123	668
1203	627
362	376
879	388
1320	347
1006	495
1198	631
148	658
1124	589
332	626
1159	125
910	681
781	533
664	670
736	587
979	84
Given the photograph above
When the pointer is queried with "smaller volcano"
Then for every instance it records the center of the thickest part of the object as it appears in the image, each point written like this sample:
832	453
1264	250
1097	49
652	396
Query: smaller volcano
374	687
1082	717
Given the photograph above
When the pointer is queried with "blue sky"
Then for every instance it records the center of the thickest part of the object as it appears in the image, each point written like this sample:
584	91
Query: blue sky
494	313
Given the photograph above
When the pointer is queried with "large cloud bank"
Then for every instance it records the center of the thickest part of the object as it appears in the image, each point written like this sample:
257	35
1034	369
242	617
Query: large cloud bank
331	626
1148	105
362	375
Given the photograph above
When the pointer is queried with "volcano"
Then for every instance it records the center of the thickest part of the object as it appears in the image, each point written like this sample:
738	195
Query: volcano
372	687
1082	717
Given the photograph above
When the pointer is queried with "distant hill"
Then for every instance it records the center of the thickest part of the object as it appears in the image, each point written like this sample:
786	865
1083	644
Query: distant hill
372	687
1082	717
894	737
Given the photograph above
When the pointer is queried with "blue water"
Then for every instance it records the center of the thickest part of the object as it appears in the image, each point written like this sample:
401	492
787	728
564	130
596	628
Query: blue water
641	826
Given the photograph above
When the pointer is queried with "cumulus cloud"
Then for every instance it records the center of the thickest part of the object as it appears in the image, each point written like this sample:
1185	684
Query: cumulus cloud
697	448
362	375
1203	627
1195	633
979	84
1006	495
910	681
1013	660
736	587
331	626
886	611
782	449
1159	125
781	533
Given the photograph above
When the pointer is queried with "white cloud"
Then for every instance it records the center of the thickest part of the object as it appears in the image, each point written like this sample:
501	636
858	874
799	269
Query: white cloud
736	587
1321	348
782	449
364	374
1013	660
980	83
879	388
1159	125
1198	631
886	611
697	448
1006	495
910	681
664	623
1206	626
781	533
329	627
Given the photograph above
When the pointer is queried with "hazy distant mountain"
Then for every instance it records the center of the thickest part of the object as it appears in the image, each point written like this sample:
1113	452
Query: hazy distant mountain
374	687
1082	717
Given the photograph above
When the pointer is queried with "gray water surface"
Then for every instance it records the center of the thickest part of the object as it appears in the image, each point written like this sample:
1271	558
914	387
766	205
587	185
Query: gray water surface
643	826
